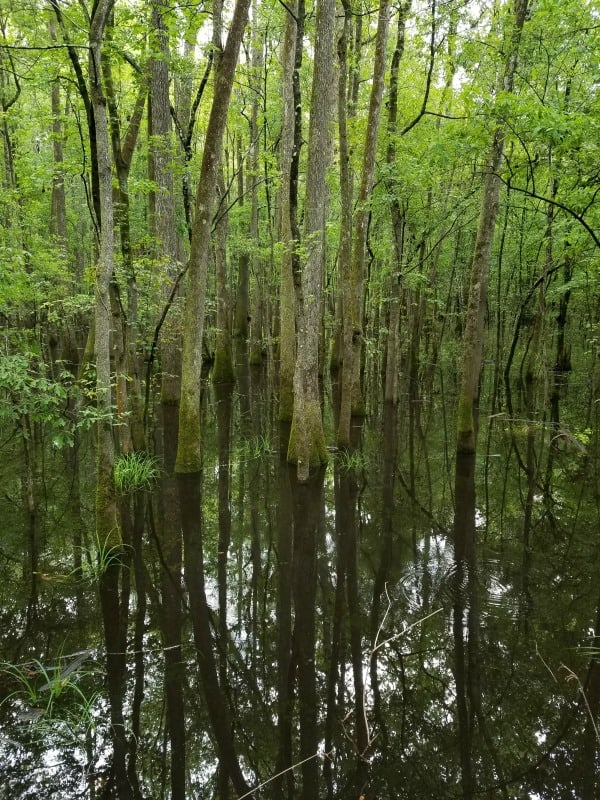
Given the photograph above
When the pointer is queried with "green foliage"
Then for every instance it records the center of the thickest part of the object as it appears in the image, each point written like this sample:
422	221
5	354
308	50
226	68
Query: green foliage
25	391
351	460
96	560
256	447
135	471
44	694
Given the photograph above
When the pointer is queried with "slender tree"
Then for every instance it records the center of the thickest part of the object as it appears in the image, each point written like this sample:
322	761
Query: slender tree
189	456
472	351
353	281
113	605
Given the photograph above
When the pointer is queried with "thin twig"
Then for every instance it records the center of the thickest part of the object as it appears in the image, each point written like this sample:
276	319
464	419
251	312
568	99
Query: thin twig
283	771
572	676
406	630
544	663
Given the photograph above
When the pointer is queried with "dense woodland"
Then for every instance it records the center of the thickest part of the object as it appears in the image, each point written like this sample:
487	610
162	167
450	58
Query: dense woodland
355	213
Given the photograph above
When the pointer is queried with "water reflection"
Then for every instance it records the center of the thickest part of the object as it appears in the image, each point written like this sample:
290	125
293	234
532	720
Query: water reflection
358	635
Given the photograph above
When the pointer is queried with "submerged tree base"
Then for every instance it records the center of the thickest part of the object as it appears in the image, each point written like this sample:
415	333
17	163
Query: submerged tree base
307	448
223	371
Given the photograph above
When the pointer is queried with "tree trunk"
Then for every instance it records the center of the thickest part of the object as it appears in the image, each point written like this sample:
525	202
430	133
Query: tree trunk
242	300
307	440
290	148
107	525
189	447
346	189
257	302
287	328
472	352
222	371
397	218
353	283
58	212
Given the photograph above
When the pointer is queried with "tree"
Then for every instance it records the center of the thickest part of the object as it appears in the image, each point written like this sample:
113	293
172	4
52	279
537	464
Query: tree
352	276
472	348
289	157
307	440
189	447
114	606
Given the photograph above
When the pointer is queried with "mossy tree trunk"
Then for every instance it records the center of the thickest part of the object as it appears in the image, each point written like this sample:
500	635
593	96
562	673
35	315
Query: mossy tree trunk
307	439
223	370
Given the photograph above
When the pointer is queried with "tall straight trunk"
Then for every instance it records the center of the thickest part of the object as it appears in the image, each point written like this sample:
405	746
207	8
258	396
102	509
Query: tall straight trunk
223	370
346	187
163	227
125	323
307	440
472	352
107	525
257	262
397	217
242	299
58	211
287	328
189	446
353	283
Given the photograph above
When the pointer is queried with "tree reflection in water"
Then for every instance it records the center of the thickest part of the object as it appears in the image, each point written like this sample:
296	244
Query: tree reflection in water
360	634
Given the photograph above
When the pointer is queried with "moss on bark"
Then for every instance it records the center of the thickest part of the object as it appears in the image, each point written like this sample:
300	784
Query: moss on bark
307	448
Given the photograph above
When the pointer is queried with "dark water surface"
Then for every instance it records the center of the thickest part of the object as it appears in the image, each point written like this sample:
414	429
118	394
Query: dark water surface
391	630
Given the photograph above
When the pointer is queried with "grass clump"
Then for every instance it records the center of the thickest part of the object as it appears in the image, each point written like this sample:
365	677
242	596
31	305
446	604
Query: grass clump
351	460
135	471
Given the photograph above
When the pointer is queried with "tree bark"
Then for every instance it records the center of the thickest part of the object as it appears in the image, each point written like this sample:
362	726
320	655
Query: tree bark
291	137
472	352
107	525
397	217
189	446
353	283
223	371
307	440
287	326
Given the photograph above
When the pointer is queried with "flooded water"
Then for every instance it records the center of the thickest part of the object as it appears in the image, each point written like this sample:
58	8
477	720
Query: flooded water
392	629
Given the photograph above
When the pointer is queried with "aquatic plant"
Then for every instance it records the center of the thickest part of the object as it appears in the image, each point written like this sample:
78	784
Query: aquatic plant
135	471
349	460
39	687
257	447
